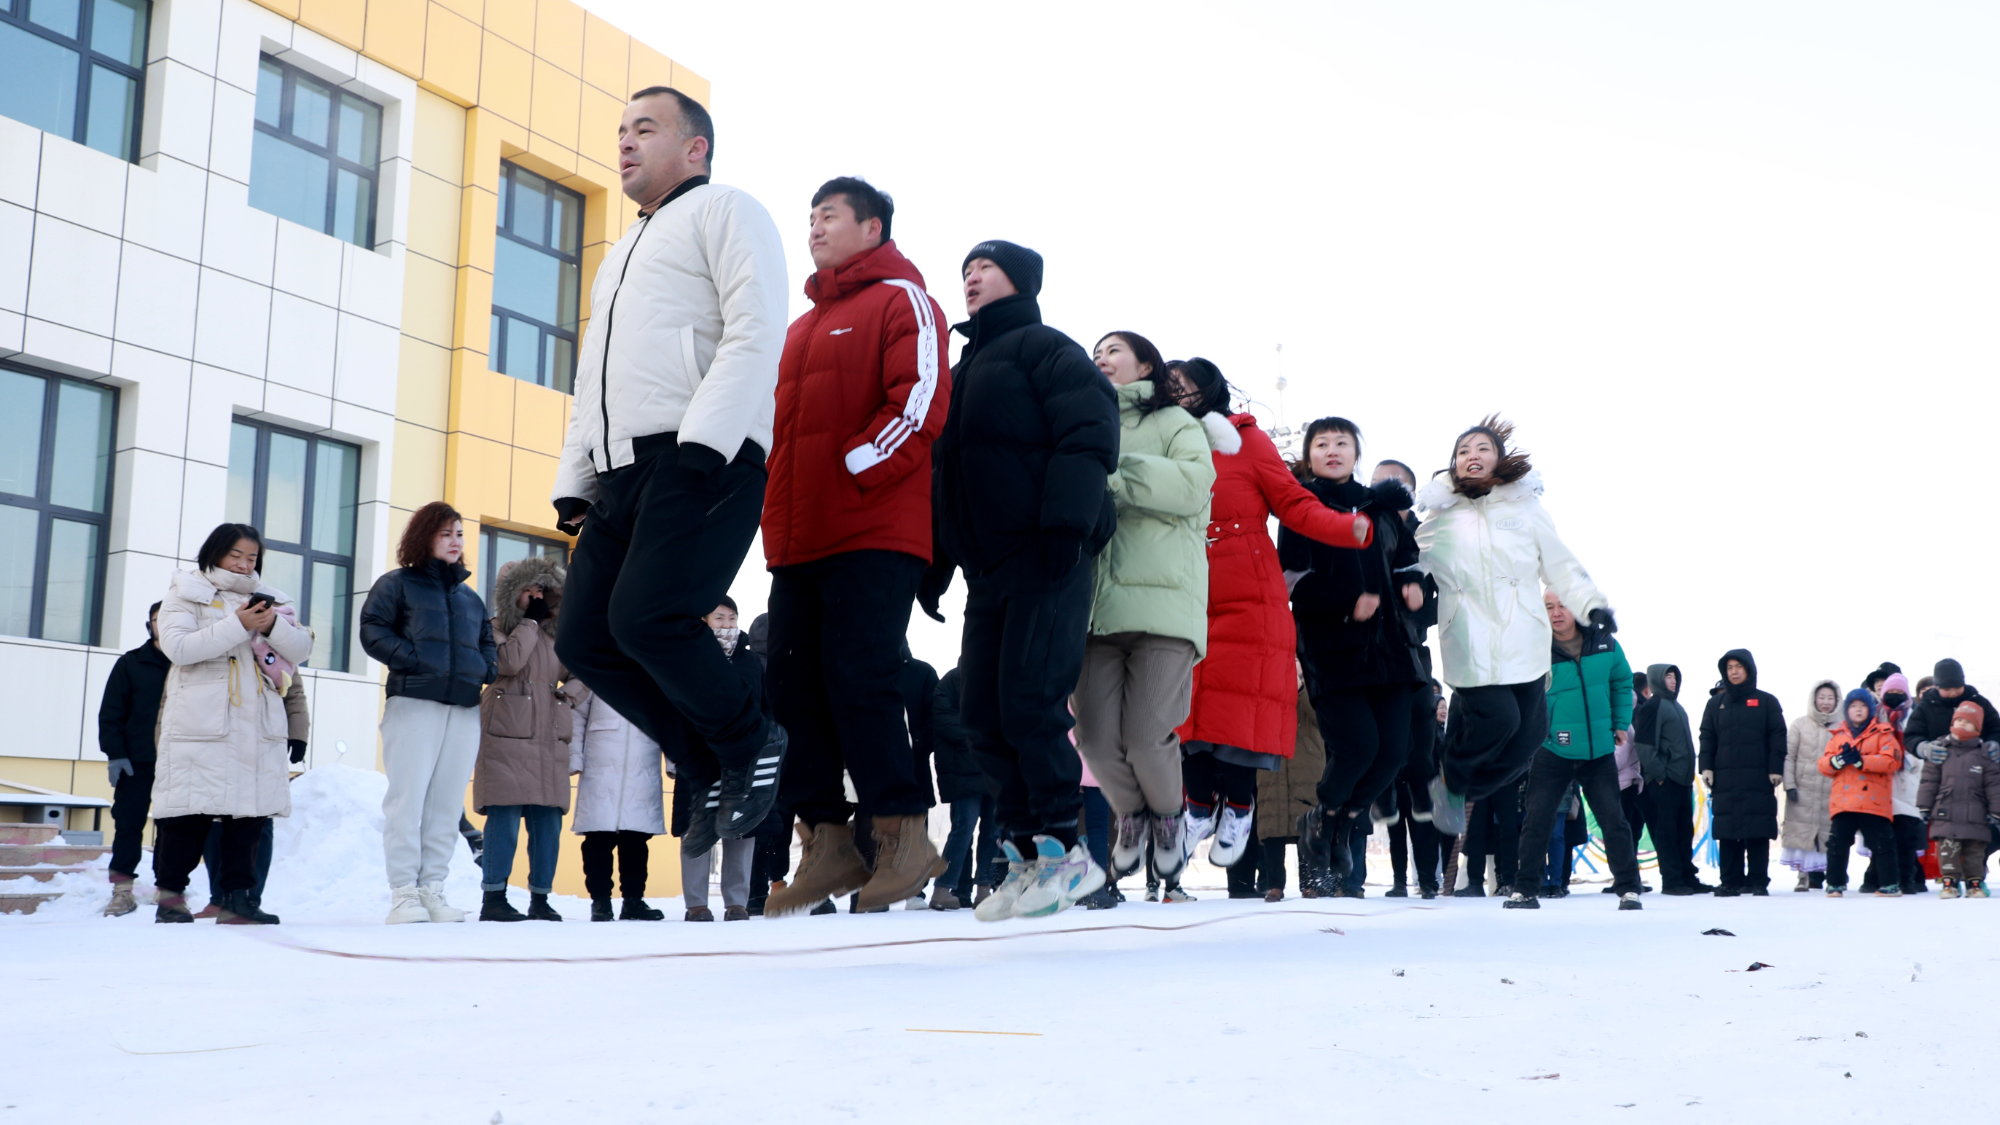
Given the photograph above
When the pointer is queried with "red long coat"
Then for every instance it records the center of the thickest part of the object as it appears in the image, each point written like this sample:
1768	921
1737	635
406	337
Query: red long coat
1246	691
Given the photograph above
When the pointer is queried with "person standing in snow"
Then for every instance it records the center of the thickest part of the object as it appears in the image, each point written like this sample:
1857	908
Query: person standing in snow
1021	501
1742	762
662	470
1356	641
1802	846
1960	799
1907	822
961	785
1490	546
1149	615
694	818
1664	741
126	718
1283	795
1863	757
619	808
862	394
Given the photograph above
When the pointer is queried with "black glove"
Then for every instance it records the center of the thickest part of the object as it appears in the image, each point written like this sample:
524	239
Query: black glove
931	588
1063	550
569	511
1851	756
1792	795
120	767
1601	618
538	609
298	746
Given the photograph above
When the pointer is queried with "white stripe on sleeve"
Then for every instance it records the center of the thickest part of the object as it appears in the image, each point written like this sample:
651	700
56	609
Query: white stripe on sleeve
898	430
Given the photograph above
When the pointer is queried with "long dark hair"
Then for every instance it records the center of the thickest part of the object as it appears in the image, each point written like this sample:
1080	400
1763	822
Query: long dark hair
1511	466
1333	424
425	523
223	540
1212	392
1148	356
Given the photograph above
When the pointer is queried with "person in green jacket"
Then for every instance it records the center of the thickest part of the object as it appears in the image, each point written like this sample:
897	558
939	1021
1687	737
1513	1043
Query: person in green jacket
1590	711
1149	609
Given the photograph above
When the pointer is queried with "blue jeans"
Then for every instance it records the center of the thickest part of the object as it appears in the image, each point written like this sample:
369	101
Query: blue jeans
986	865
503	829
958	845
1097	825
1358	844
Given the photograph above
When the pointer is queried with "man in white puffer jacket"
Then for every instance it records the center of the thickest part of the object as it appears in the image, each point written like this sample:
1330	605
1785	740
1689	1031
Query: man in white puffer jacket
663	467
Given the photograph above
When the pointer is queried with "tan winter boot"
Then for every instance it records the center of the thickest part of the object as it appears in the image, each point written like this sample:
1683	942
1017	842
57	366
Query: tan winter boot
122	902
829	867
905	860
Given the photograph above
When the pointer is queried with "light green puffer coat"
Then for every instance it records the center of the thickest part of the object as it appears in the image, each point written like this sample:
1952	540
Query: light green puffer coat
1153	575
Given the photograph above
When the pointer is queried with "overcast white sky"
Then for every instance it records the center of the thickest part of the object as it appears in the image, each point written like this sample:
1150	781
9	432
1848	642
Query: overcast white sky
1731	267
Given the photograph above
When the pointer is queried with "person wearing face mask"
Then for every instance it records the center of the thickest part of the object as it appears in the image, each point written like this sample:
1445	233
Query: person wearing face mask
430	630
1863	757
1492	548
695	819
1742	762
1911	840
125	722
1802	847
222	725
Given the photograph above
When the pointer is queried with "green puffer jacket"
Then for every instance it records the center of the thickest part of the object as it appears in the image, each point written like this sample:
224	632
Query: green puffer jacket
1590	697
1153	575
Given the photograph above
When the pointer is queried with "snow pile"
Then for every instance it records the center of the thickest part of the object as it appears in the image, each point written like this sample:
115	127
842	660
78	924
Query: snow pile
326	858
84	893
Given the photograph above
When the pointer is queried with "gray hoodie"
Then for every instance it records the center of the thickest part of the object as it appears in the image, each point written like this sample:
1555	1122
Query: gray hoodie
1661	732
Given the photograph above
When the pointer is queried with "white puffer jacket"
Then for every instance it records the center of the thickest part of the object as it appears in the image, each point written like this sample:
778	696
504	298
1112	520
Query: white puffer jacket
222	725
1490	557
620	787
687	320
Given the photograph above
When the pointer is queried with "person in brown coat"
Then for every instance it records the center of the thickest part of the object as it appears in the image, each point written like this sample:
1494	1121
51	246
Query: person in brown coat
1282	794
1960	798
525	727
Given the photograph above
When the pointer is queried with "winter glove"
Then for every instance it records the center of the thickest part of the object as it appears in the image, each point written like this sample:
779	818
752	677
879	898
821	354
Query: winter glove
1851	756
1601	618
931	588
120	767
1792	796
1063	550
1934	752
538	610
298	747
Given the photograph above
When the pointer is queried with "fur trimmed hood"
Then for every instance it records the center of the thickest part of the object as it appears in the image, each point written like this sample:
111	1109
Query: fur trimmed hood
1222	434
1442	492
516	577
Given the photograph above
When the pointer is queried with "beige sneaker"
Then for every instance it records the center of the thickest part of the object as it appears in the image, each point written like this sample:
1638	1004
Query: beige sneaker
905	859
830	867
431	895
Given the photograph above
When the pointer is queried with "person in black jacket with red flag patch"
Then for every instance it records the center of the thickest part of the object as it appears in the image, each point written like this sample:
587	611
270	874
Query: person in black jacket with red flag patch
1742	762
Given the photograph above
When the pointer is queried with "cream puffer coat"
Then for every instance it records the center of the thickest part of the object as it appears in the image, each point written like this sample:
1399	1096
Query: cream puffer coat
1490	557
620	788
222	726
1808	820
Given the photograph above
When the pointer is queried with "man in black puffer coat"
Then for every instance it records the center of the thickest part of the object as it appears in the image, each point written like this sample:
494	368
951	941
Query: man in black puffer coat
1743	761
1022	505
1930	717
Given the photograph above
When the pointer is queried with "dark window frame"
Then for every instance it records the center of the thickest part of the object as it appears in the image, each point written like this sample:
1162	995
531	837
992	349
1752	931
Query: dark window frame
560	381
489	557
260	482
15	13
282	131
48	512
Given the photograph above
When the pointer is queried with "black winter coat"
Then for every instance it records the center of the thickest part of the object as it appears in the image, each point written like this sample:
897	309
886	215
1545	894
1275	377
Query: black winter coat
959	777
1743	741
917	683
131	707
432	632
1028	448
1340	652
1930	717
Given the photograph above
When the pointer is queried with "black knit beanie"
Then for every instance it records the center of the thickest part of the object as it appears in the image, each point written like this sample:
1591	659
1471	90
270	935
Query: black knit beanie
1949	673
1022	266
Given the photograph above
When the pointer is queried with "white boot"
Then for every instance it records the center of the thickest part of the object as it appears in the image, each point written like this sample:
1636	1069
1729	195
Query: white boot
1057	879
404	906
431	895
1232	835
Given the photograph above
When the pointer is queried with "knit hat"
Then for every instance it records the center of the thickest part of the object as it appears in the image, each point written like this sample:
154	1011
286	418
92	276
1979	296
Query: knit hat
1971	712
1897	682
1022	266
1949	673
1864	697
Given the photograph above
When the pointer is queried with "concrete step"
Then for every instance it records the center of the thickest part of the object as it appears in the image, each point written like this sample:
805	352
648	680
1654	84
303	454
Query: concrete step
40	874
16	832
36	855
23	903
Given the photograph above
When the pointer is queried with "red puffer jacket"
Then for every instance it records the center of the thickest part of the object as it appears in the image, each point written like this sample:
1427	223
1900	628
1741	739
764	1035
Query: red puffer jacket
862	391
1246	691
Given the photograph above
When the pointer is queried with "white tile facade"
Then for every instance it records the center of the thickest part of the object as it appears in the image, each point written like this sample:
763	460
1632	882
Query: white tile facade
157	278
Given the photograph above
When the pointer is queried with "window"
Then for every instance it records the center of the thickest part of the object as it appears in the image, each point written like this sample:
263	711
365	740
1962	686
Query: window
312	158
537	267
76	68
55	491
498	548
300	493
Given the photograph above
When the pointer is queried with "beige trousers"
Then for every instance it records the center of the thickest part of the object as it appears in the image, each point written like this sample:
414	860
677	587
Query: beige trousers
1134	690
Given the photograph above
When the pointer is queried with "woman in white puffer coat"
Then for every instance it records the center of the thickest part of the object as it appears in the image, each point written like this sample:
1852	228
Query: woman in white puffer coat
222	726
1491	548
619	807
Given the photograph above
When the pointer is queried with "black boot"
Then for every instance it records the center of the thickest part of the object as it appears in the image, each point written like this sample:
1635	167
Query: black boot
172	907
636	910
539	909
240	909
1339	850
1400	890
496	908
600	909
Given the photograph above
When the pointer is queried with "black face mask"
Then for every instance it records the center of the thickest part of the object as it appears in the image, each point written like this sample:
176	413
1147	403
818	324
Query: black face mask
1894	700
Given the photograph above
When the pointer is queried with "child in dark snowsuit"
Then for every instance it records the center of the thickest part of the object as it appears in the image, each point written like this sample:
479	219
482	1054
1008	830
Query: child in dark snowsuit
1960	799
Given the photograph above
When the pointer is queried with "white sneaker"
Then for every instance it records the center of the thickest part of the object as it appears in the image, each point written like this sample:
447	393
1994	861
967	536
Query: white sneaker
404	906
431	895
916	902
1232	836
1169	854
1059	878
1003	903
1128	845
1194	829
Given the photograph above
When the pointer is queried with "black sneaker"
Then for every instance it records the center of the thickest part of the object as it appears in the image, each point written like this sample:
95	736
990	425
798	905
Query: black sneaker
1727	892
1470	890
747	792
701	835
600	910
1519	901
1430	892
1630	901
1400	890
825	907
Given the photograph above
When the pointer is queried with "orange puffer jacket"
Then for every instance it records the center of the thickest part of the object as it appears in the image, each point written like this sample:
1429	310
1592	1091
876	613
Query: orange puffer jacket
1869	787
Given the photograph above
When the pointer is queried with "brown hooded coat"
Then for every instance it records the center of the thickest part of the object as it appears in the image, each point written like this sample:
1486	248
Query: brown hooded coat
525	722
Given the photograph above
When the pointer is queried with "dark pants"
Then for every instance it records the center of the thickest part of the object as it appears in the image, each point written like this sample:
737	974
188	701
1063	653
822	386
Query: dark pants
1912	838
1494	734
989	863
130	803
211	858
837	627
1409	837
1271	862
1746	864
1242	875
1097	824
1020	657
1367	733
657	554
632	856
1357	847
1205	777
177	844
958	844
1549	776
1633	805
1493	827
1670	818
773	858
1422	764
1880	834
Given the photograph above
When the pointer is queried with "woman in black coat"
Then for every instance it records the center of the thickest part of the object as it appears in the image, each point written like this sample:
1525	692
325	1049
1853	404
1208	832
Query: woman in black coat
1743	762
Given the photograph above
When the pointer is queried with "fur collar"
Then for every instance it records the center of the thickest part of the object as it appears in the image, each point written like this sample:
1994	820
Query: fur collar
537	571
1440	493
1222	435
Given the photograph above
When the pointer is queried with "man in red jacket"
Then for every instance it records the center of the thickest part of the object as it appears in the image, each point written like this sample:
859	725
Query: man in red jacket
862	391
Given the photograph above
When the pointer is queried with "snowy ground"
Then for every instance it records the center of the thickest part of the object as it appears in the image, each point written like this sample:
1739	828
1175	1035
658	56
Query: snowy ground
1243	1011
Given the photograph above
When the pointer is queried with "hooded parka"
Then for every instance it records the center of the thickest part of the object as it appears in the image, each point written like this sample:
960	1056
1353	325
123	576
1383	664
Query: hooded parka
1491	556
1743	742
1153	575
620	788
525	723
222	726
1808	819
1867	787
1961	792
1662	736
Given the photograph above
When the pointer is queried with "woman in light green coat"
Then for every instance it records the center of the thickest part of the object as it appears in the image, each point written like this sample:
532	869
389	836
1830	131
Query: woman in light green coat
1149	612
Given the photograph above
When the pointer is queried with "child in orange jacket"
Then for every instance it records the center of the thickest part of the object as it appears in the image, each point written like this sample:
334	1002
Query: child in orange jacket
1863	757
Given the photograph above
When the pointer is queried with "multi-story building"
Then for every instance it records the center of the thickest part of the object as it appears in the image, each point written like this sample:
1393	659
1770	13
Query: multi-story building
307	264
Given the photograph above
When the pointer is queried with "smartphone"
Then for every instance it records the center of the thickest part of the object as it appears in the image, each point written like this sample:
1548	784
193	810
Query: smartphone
258	600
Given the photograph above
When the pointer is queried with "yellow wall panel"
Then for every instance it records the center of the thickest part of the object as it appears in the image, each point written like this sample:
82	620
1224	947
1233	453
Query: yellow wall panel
558	162
534	478
505	72
451	55
286	8
538	418
474	232
394	35
559	34
513	20
434	211
606	51
484	405
418	475
472	326
430	294
476	477
597	127
554	113
438	146
483	136
649	68
474	10
692	84
423	384
342	21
